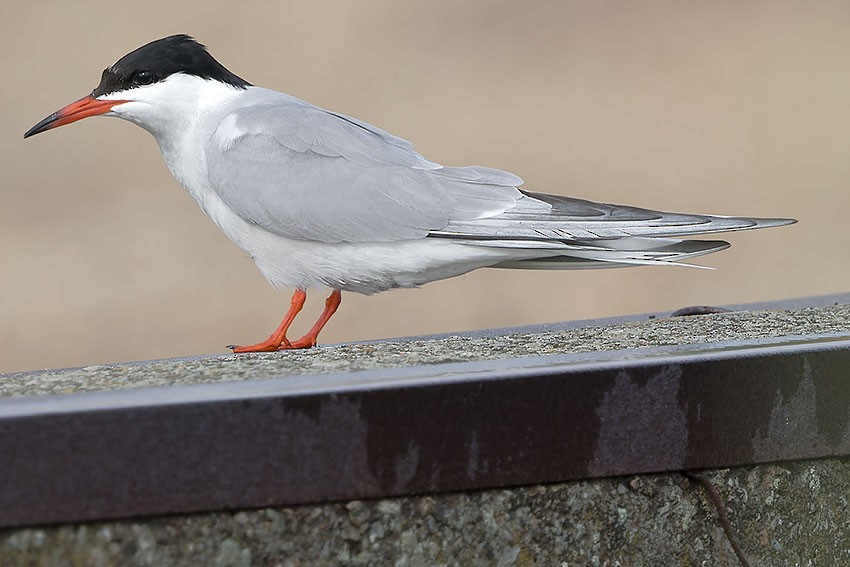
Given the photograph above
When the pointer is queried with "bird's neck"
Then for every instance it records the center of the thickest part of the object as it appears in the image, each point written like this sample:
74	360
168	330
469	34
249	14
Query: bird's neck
183	127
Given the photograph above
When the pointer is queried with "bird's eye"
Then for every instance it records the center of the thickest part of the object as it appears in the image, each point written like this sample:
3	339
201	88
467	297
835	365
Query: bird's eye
143	77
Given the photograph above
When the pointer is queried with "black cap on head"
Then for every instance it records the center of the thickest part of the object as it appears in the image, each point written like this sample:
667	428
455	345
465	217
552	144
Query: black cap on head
161	58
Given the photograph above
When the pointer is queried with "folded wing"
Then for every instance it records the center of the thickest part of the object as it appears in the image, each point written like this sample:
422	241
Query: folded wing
306	173
302	172
539	216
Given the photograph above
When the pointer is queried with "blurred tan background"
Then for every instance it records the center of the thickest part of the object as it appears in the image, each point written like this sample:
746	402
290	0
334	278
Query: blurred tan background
724	107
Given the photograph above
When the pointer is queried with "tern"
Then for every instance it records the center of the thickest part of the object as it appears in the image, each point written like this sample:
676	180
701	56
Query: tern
319	199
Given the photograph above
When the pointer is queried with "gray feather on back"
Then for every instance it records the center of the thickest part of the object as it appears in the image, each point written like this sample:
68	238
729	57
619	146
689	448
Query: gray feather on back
302	172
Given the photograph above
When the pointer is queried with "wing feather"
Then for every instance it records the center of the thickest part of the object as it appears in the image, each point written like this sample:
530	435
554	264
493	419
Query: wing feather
302	172
540	216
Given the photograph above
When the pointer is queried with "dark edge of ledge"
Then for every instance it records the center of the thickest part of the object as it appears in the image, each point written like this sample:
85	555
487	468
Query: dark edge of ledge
436	428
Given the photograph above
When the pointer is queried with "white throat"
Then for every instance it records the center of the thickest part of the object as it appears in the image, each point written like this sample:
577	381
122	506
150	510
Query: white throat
172	108
181	112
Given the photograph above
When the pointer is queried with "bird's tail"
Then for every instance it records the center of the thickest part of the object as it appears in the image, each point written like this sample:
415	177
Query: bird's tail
634	251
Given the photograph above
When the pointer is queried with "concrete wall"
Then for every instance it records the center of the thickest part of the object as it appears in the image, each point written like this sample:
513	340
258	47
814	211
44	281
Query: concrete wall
783	514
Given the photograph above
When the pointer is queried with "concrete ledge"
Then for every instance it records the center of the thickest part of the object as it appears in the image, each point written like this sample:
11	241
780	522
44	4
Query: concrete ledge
798	317
436	414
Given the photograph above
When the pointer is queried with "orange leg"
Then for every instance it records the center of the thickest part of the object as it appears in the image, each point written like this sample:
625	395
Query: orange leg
278	338
309	340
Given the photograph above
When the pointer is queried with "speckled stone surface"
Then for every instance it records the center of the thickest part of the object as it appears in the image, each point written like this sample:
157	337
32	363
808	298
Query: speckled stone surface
784	514
387	354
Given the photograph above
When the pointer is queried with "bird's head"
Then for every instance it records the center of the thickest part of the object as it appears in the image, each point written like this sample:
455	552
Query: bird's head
151	86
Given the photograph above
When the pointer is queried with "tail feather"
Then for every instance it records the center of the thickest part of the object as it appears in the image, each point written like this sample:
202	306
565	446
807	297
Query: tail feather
615	253
556	232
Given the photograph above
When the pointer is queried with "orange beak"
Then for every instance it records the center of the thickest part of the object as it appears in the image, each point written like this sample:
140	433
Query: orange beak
83	108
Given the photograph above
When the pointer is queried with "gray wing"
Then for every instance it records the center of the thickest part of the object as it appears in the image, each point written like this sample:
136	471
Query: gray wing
543	217
303	172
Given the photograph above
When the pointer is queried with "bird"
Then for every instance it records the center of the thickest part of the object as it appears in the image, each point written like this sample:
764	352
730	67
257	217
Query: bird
319	199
